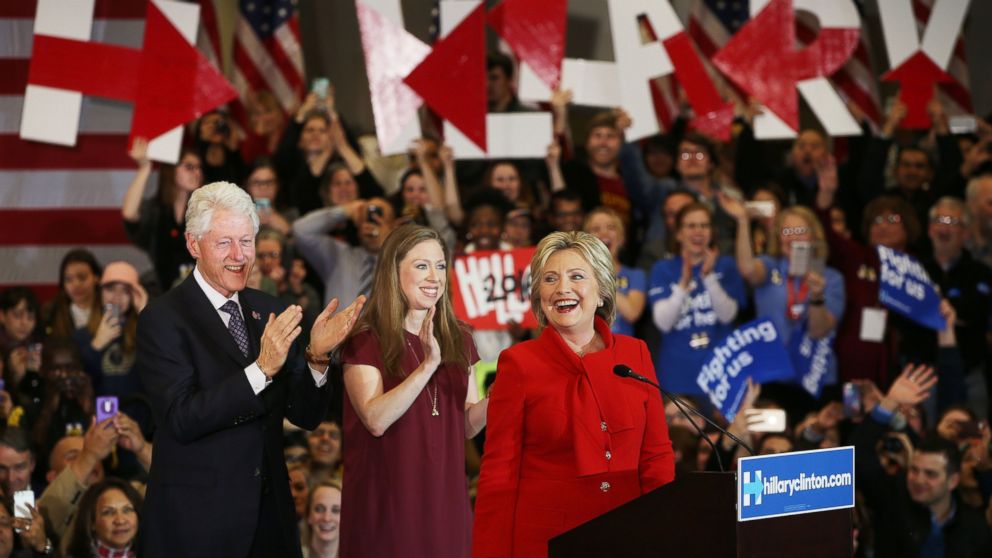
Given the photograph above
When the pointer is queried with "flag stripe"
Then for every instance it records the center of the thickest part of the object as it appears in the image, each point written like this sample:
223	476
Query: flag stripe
87	226
92	151
99	188
256	54
15	72
104	9
294	79
98	116
40	265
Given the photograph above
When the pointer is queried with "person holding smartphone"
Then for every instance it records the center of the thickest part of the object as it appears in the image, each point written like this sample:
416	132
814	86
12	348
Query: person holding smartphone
792	285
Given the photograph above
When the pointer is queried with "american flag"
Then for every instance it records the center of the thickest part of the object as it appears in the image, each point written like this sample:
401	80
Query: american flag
713	22
267	53
55	198
955	96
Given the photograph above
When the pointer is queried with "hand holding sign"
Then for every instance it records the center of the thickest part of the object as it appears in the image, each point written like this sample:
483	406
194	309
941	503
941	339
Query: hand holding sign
905	287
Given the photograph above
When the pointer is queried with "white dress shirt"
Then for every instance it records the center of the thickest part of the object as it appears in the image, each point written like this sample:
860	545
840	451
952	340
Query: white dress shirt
256	378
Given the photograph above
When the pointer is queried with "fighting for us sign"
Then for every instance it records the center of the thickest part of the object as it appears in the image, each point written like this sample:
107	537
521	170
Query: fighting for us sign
794	483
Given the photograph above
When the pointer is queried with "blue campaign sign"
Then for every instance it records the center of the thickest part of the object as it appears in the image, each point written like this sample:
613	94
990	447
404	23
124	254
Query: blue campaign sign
753	350
813	360
906	288
794	483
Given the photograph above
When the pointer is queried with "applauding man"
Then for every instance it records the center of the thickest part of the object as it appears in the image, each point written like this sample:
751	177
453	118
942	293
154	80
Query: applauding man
221	367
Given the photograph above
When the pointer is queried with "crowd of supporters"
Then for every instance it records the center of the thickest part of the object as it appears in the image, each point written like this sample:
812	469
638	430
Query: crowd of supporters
703	236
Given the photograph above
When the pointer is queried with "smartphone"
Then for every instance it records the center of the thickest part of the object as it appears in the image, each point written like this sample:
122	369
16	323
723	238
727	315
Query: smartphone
765	420
373	210
852	399
113	310
34	356
799	257
106	407
962	124
23	499
764	209
320	87
263	205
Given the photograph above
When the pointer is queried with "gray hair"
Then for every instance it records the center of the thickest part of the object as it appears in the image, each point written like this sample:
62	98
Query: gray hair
954	203
218	195
971	191
594	252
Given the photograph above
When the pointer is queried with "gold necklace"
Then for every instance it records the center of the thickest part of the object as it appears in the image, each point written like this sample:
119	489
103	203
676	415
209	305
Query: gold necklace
432	399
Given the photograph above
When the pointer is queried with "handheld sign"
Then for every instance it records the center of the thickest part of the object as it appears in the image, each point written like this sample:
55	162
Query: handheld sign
812	359
492	288
906	288
795	483
755	349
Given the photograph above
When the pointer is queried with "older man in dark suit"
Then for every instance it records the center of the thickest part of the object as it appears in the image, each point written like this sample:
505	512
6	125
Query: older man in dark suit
222	371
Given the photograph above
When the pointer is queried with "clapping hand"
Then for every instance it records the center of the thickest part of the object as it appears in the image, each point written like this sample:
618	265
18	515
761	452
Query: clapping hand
277	338
330	329
432	349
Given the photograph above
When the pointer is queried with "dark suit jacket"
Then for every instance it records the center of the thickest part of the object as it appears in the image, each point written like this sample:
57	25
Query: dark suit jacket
217	443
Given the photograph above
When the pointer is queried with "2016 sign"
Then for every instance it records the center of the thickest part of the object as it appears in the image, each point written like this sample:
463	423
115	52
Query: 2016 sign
492	289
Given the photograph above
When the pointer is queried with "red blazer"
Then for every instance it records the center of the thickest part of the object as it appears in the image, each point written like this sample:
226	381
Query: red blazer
566	441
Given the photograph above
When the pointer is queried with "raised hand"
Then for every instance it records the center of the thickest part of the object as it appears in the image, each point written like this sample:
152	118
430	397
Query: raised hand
732	206
139	152
912	386
108	330
330	329
432	349
277	338
709	261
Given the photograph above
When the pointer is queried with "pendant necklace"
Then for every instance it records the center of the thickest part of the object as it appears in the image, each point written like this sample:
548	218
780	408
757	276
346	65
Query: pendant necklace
432	399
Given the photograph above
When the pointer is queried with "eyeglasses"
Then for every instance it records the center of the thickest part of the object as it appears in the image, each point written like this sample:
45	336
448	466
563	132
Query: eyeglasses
794	231
688	155
891	218
190	167
946	220
268	255
262	182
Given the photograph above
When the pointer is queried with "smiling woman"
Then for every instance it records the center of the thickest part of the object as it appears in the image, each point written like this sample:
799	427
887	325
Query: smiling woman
108	520
412	401
588	440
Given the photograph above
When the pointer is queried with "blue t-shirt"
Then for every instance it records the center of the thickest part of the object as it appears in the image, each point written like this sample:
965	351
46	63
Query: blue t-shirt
628	279
685	348
771	300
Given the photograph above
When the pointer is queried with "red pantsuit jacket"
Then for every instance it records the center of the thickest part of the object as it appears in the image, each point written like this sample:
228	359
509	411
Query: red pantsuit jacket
566	441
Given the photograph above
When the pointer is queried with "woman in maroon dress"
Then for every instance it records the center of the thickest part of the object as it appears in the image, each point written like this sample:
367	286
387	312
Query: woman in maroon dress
412	401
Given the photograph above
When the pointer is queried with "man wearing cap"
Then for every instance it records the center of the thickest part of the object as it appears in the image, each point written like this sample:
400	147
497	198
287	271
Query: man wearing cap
221	369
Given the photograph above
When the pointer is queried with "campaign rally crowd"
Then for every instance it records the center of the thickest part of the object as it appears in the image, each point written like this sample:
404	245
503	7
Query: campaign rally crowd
704	235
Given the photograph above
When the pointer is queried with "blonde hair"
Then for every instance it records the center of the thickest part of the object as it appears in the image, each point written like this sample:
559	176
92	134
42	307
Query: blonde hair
592	251
612	214
385	311
804	213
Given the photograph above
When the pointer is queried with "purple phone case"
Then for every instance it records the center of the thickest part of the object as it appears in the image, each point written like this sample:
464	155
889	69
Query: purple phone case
106	407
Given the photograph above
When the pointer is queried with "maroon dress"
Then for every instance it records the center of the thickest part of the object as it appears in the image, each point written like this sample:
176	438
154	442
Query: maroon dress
405	493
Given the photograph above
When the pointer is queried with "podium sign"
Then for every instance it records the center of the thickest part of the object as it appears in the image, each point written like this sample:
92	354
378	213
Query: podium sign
795	483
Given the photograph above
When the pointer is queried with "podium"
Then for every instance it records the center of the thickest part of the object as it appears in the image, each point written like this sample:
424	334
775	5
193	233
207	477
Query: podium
696	516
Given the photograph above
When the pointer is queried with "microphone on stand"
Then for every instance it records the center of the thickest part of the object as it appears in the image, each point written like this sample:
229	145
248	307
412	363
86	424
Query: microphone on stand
625	371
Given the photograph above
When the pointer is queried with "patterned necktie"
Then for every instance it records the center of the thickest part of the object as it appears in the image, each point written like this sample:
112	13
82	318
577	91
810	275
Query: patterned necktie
368	271
236	325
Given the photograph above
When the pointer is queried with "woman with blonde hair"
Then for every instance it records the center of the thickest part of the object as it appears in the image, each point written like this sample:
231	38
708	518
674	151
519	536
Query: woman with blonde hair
797	292
605	224
411	403
568	439
322	527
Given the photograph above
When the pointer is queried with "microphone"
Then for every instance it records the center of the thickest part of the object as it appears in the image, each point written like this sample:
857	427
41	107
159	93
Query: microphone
625	371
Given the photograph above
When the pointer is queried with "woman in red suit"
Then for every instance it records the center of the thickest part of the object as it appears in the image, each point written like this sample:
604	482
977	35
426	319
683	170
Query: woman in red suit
567	439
